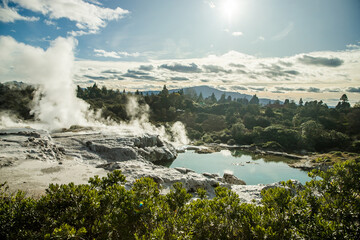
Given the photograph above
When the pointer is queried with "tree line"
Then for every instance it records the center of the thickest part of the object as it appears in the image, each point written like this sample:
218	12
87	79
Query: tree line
288	126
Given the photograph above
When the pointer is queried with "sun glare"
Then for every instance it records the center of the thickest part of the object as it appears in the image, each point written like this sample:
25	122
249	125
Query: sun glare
229	8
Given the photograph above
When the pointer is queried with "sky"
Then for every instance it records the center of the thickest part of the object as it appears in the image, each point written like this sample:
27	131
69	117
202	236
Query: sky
276	49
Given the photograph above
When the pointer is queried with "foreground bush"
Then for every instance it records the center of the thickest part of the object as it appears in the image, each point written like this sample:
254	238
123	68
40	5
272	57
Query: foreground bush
328	207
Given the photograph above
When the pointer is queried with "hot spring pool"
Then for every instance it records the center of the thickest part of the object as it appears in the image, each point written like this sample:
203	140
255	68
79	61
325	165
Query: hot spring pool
244	165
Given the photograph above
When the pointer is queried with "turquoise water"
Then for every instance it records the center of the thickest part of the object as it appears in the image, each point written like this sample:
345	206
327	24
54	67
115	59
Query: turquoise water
246	166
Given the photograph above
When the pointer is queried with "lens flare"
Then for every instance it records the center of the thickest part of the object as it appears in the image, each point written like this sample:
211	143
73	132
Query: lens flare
229	8
140	207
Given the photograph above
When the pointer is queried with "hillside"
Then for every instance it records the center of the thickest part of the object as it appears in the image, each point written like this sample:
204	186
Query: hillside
207	91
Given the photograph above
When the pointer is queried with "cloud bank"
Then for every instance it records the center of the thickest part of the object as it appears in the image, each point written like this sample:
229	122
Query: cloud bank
321	61
177	67
89	17
314	75
8	14
112	54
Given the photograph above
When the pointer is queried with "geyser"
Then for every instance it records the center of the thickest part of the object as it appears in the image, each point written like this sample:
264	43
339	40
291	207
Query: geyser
55	105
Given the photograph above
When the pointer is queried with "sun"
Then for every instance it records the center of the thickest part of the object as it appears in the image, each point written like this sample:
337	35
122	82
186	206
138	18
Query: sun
229	8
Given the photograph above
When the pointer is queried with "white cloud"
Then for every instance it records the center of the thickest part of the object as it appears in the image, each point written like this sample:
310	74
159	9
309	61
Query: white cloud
80	26
259	39
126	54
255	74
103	53
94	2
112	54
353	46
80	33
11	15
237	34
274	78
86	15
49	22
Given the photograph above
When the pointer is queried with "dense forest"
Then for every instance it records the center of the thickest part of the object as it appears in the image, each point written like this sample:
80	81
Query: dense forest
287	126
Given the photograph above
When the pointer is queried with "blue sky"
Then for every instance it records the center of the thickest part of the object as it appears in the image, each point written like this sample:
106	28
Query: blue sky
274	48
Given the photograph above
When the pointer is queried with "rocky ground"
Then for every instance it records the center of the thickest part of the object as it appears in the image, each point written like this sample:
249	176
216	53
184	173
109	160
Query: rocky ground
32	159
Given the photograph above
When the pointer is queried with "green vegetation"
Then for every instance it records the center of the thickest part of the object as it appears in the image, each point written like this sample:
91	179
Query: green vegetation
17	101
311	126
326	208
333	157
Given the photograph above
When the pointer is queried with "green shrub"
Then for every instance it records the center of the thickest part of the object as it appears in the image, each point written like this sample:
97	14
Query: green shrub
327	207
355	146
231	142
272	145
207	139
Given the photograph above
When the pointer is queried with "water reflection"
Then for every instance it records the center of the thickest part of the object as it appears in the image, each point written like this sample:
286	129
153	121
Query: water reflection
266	158
250	167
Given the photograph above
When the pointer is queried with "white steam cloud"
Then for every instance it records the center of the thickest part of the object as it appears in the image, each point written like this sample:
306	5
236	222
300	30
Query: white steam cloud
55	105
140	124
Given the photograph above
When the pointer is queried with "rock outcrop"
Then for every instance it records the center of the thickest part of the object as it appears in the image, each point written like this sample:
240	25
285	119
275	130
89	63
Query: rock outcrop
31	159
21	144
94	147
107	147
231	179
135	169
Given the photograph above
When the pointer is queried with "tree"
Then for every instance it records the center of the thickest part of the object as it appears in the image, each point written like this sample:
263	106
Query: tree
311	133
243	101
164	91
213	98
344	104
238	131
200	98
222	98
95	92
269	112
79	92
344	98
301	102
254	100
104	91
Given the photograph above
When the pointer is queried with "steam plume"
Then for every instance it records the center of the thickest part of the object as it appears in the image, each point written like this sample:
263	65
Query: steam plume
55	104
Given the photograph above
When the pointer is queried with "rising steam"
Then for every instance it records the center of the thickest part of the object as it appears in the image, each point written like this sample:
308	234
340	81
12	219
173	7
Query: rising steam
139	123
55	105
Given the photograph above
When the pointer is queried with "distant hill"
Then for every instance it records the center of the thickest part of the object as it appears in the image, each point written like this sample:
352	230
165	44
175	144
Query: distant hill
207	91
